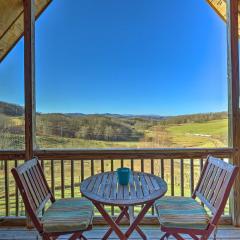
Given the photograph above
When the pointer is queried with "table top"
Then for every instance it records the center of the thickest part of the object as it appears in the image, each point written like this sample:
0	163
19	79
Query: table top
142	188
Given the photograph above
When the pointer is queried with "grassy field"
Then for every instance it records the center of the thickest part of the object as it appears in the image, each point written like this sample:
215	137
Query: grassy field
207	134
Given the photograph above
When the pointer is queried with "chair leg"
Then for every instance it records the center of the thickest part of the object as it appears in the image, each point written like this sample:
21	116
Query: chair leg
166	235
215	233
177	236
46	237
84	238
76	235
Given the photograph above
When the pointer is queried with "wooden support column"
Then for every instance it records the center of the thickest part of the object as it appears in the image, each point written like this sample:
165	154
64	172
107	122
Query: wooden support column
234	114
29	76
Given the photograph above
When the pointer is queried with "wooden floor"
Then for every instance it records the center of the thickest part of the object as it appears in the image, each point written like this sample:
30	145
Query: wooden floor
152	232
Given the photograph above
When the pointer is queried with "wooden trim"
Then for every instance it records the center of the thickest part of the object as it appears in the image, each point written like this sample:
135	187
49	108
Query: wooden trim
147	153
29	76
98	220
12	155
234	114
216	10
110	154
14	44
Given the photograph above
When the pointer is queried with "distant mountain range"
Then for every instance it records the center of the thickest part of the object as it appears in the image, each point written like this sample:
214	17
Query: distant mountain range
11	109
157	117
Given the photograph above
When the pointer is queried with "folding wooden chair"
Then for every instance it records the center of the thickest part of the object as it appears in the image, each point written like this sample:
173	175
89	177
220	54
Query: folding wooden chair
65	216
185	215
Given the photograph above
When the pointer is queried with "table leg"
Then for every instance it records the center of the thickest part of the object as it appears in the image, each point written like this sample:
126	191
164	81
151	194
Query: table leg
138	219
138	229
117	221
124	211
109	220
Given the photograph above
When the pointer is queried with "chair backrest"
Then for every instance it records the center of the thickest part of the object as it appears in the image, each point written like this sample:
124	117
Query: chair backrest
214	185
34	189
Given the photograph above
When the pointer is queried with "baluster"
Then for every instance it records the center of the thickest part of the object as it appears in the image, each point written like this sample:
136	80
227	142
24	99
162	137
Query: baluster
162	168
112	168
142	165
92	167
152	166
201	164
72	178
191	175
6	173
16	194
182	176
62	179
102	165
172	177
52	177
132	165
121	162
112	207
82	170
42	164
152	172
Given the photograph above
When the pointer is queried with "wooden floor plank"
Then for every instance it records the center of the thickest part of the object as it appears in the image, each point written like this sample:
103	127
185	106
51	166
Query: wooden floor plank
152	232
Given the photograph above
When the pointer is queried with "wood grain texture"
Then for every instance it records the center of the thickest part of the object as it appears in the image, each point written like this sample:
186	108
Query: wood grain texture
11	22
104	188
29	77
152	232
98	154
233	100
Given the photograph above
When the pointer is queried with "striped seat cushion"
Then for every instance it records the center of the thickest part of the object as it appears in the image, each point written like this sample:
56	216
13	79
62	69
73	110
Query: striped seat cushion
69	214
181	212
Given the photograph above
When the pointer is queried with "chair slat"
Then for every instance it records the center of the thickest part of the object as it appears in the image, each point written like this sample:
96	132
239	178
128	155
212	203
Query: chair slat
224	185
213	187
218	187
41	180
207	178
204	175
30	189
34	189
210	182
33	181
37	182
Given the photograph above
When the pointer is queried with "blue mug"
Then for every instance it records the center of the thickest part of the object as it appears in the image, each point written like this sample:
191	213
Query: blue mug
123	175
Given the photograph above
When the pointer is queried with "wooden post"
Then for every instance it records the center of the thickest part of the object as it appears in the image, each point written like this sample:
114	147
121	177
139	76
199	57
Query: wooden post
29	77
29	81
234	115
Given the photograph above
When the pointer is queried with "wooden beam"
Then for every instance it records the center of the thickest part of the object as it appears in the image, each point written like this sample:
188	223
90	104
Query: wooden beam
29	76
29	80
234	114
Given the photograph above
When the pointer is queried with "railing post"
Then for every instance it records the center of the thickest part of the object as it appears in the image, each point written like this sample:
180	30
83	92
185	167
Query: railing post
234	115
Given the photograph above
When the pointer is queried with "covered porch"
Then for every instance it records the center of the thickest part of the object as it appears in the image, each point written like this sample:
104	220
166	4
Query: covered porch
65	169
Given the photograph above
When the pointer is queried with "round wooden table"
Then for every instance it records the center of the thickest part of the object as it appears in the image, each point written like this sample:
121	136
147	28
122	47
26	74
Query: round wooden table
143	189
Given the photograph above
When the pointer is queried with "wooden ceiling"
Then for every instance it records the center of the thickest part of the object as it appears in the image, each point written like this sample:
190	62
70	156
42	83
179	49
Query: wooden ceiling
220	7
11	22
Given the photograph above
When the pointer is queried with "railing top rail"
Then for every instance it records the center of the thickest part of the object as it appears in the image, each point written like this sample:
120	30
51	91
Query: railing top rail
124	153
133	153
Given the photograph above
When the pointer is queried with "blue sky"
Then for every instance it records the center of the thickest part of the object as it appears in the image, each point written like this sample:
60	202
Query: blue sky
128	57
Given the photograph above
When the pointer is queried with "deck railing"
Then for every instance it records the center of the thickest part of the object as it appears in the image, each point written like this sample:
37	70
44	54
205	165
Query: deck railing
65	170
